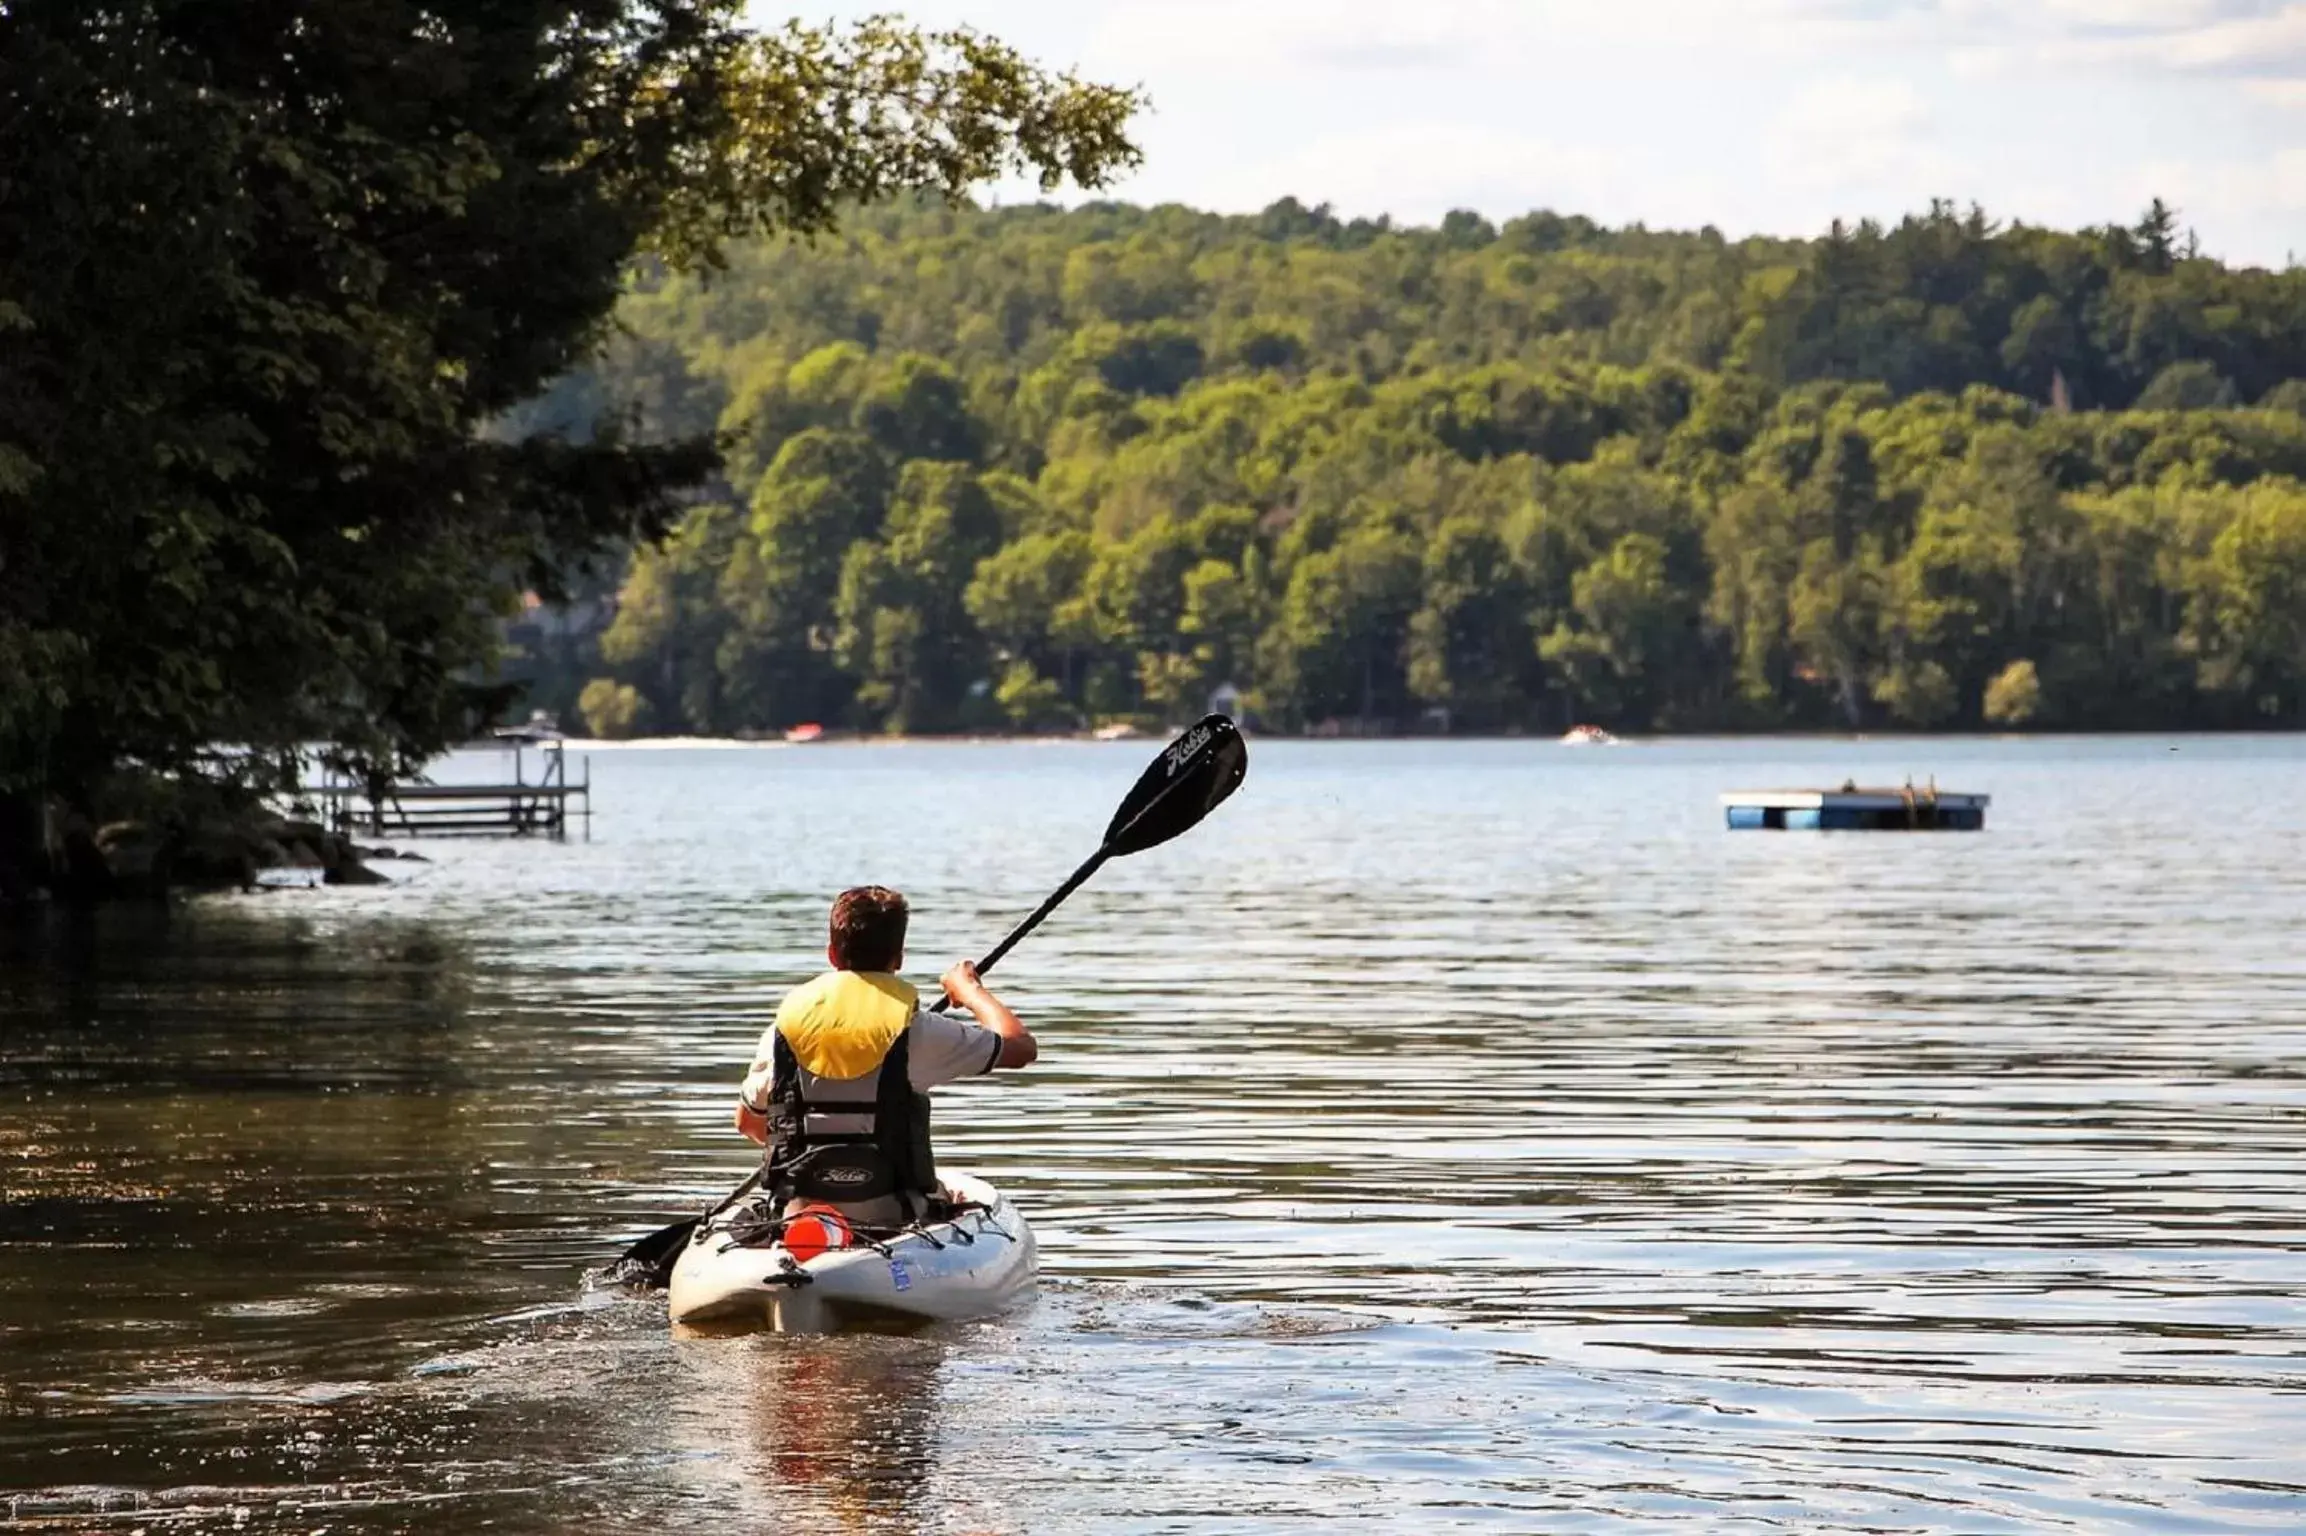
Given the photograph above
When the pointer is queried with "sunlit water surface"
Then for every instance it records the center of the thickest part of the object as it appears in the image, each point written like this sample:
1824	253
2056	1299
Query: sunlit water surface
1445	1135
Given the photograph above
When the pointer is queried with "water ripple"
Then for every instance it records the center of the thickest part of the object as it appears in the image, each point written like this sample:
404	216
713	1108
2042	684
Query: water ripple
1447	1136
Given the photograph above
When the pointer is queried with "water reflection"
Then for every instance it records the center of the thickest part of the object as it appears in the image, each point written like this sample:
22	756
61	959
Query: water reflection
1444	1136
845	1433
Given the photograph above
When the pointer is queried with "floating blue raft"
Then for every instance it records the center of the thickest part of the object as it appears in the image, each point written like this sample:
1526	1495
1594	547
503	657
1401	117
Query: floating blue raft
1851	809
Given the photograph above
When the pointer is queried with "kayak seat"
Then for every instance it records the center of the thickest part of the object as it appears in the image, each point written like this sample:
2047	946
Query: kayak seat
758	1224
945	1207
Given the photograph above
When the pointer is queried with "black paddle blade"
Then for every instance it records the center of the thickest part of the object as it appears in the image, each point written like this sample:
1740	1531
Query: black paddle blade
648	1264
1190	778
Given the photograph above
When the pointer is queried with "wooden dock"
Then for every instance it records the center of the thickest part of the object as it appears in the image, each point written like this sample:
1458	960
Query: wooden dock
542	807
1851	809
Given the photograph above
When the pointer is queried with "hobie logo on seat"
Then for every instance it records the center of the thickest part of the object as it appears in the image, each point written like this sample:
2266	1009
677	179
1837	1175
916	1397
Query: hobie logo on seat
1188	744
839	1175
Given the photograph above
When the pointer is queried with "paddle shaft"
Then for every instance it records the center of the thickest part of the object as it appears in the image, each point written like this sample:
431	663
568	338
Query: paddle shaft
1073	882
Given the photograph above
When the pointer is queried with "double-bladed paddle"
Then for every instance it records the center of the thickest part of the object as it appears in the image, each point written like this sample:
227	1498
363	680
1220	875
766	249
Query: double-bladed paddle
1190	778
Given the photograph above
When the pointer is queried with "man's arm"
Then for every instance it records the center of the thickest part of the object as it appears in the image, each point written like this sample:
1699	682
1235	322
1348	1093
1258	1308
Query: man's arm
1018	1047
752	1123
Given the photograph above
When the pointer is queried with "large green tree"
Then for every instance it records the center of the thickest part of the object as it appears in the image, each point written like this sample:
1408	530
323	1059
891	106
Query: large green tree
275	275
903	628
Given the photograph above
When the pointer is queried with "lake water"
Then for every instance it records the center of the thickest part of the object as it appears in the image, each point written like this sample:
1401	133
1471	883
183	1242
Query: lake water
1445	1135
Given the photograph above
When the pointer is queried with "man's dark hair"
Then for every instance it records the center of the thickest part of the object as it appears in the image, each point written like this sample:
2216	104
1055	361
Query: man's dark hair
869	928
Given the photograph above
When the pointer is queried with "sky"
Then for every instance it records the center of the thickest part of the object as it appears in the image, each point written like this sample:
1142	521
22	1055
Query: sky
1754	116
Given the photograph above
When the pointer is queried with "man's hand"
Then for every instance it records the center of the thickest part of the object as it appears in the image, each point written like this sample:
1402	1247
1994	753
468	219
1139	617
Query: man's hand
961	983
752	1123
1018	1048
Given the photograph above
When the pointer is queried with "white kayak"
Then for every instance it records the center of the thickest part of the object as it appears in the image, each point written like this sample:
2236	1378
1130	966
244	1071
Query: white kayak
975	1262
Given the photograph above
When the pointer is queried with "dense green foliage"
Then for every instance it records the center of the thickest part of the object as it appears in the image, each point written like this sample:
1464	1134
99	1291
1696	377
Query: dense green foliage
1028	468
273	274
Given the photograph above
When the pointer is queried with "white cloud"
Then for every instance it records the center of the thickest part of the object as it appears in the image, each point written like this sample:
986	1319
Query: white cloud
2148	15
2272	44
1147	38
2274	185
2254	39
2259	43
2245	45
1419	171
1260	35
1852	132
1770	115
1293	33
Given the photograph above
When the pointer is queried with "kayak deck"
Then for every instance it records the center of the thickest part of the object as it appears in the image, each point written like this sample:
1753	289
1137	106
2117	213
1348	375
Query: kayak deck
974	1261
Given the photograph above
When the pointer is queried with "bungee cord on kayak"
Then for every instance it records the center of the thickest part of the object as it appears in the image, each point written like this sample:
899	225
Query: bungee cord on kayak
753	1227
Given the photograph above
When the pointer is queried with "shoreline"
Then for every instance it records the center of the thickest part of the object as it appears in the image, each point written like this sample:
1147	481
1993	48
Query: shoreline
734	743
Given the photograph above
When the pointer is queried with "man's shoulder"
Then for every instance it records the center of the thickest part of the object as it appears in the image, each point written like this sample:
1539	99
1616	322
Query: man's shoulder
807	992
927	1023
875	993
946	1046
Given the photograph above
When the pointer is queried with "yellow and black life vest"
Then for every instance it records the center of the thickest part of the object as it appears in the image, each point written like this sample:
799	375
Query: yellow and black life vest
844	1122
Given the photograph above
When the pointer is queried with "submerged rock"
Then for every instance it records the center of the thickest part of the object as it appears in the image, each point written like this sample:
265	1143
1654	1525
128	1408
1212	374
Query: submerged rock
177	846
380	852
136	855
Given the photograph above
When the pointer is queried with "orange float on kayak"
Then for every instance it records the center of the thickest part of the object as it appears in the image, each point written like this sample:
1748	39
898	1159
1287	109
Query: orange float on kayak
815	1230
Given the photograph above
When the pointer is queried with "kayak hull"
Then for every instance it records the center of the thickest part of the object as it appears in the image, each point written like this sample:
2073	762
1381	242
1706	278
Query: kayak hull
975	1264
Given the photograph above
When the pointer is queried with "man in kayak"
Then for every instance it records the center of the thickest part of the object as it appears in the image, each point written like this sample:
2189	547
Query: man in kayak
838	1091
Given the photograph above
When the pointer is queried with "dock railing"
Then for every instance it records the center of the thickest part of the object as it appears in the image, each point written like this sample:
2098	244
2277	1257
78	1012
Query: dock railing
422	807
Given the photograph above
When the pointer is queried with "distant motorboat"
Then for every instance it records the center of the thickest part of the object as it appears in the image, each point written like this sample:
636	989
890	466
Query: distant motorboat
1587	736
804	733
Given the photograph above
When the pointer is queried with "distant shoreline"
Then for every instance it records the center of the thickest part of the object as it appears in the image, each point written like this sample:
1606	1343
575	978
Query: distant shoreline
735	743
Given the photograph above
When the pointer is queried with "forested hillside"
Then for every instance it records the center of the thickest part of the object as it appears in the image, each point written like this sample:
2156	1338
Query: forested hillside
1031	468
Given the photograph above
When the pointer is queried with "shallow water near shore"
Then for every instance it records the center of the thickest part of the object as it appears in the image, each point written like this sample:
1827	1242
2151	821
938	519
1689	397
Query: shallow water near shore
1445	1136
